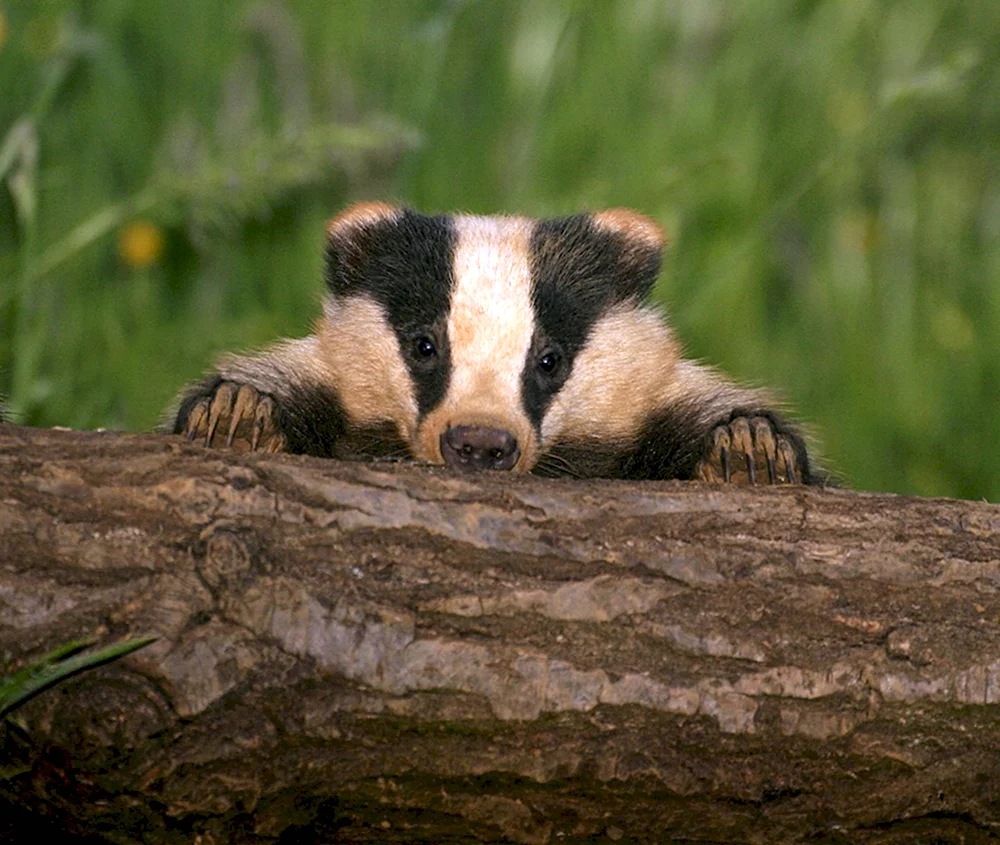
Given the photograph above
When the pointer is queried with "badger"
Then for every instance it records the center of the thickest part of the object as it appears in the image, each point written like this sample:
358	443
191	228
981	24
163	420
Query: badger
496	343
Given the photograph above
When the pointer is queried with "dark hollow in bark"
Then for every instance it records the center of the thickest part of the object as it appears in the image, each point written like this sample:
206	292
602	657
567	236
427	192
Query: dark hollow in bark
388	653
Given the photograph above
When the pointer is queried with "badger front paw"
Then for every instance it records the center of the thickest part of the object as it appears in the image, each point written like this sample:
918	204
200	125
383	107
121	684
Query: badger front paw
754	450
230	414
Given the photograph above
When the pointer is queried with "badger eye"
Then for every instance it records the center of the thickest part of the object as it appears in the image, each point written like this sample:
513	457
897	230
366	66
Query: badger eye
548	362
423	347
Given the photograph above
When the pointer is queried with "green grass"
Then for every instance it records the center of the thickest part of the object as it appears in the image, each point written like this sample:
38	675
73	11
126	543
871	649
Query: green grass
828	171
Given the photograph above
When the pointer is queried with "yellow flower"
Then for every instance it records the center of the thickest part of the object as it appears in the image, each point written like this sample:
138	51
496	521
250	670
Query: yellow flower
140	244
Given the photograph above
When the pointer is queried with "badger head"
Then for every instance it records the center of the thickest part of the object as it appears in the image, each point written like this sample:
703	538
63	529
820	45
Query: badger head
488	340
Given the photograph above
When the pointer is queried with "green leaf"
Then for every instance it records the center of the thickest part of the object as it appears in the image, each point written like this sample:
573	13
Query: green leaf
58	665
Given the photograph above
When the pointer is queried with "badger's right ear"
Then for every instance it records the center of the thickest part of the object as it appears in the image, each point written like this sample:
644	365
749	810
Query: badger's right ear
641	241
350	238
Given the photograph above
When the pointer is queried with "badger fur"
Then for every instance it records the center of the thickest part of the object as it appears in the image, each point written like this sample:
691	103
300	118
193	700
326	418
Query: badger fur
495	343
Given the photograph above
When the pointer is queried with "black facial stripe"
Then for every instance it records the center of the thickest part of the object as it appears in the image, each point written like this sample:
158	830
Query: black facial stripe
579	270
405	263
538	387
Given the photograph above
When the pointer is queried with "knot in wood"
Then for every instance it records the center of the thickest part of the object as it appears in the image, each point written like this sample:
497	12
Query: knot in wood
227	556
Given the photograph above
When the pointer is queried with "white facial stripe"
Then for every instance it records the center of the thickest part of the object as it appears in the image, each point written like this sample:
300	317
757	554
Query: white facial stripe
491	321
490	326
627	367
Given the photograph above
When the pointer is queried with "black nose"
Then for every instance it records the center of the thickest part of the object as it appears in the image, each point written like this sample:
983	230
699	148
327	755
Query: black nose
473	447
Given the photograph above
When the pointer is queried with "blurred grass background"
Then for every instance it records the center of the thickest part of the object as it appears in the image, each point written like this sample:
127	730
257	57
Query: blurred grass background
828	171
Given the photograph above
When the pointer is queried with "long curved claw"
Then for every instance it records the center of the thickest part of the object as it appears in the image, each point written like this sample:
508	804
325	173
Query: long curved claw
764	444
264	423
244	408
789	460
716	465
197	418
743	442
222	405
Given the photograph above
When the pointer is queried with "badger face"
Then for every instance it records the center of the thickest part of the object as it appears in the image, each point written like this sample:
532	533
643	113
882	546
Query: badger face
486	340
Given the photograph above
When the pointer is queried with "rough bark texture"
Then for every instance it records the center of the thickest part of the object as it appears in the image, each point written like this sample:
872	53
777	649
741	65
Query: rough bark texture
386	653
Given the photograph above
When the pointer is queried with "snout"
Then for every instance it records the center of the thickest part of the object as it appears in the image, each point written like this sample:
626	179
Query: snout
473	447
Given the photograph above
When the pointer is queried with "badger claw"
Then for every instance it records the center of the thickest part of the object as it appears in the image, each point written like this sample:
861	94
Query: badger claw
221	404
750	451
245	407
234	415
196	419
787	458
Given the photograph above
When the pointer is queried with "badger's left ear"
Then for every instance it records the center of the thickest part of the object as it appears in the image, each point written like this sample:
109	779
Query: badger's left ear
641	242
350	238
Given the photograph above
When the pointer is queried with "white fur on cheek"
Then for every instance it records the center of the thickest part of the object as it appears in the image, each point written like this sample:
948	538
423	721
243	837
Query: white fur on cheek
490	326
361	352
627	367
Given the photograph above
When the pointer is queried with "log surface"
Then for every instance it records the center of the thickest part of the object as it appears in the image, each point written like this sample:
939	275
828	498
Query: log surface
389	653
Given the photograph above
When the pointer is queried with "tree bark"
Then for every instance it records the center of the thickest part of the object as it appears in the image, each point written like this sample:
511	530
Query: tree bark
391	653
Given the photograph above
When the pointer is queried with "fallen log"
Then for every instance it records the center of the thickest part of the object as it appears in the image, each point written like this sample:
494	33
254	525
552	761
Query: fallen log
381	652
